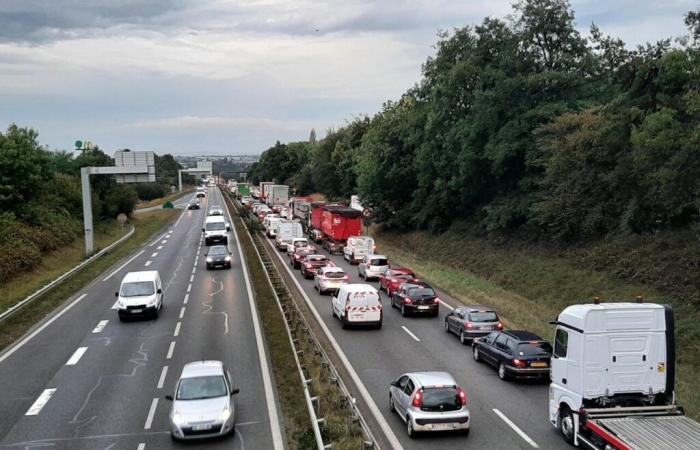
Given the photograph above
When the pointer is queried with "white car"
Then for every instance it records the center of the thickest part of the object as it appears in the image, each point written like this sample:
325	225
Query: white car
330	278
373	267
203	402
298	242
216	211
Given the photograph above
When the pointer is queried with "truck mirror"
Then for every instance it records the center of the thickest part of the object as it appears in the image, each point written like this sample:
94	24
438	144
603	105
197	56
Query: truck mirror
116	294
202	230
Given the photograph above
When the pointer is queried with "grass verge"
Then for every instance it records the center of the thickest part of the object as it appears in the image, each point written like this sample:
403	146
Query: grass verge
147	224
161	200
530	286
297	424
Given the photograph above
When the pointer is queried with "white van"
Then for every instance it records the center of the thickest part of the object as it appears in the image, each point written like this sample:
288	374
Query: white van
286	233
357	304
140	293
215	230
271	226
357	247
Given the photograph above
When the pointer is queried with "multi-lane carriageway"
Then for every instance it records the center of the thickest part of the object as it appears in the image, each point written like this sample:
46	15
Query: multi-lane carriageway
84	380
505	415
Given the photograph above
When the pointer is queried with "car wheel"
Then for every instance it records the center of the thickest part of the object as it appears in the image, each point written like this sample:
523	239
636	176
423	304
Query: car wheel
409	428
379	326
465	433
462	338
392	408
566	425
447	327
502	374
403	310
345	322
475	354
174	438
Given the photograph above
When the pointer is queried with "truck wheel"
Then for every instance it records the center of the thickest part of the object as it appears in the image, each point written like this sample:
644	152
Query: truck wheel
566	425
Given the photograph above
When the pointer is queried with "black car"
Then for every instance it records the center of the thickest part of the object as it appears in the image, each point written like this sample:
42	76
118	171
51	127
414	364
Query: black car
413	298
516	354
218	256
193	204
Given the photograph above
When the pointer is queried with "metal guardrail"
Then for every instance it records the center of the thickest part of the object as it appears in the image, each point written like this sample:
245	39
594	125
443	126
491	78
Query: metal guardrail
21	304
306	338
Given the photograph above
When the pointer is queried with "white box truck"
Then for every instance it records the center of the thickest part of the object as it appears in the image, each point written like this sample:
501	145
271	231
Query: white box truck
613	379
278	195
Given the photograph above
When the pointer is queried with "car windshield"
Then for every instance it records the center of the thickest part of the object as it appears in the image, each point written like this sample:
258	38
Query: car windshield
441	399
215	226
378	262
421	292
301	243
483	316
334	274
137	289
218	250
534	348
316	258
200	388
304	251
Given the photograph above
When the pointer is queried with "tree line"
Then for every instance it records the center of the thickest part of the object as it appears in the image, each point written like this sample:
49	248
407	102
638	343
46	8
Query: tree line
522	122
41	198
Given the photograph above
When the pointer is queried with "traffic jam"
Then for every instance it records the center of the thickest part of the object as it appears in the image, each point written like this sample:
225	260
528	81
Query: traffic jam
611	367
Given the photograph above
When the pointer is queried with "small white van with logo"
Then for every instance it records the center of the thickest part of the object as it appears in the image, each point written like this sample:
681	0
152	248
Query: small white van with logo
357	304
140	293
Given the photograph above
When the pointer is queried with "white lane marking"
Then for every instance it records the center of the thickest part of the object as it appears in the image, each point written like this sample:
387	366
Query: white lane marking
122	266
164	241
148	263
76	356
187	297
446	305
189	288
40	402
177	329
151	413
171	349
154	254
170	231
115	305
192	277
160	247
383	424
193	270
262	357
410	334
515	428
21	343
156	241
161	380
182	312
142	446
100	326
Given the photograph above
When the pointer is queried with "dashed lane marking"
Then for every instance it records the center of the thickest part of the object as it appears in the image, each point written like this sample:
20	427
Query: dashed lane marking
100	326
163	374
187	297
151	414
76	356
171	349
189	288
177	329
154	254
40	402
148	263
410	334
160	247
515	428
142	446
182	312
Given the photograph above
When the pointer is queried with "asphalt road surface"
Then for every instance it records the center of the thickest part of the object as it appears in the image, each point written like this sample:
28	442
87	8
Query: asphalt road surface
505	414
85	380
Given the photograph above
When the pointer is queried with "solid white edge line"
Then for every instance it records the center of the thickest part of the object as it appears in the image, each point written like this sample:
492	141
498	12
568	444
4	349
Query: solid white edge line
177	329
19	344
142	446
73	360
171	349
447	305
122	266
410	334
515	428
100	326
262	356
366	396
151	414
163	374
40	402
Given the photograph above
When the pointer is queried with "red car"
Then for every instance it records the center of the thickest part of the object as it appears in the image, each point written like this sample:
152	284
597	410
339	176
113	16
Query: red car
312	263
300	254
393	278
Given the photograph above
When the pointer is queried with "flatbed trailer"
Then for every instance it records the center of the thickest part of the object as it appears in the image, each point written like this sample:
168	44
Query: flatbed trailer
638	428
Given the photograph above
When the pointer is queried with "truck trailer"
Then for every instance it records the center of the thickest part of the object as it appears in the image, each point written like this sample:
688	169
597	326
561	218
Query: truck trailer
264	188
278	195
613	379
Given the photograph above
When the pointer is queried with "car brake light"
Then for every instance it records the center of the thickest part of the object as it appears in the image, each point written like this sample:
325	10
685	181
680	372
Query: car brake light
407	301
417	399
436	301
462	396
519	363
468	325
499	326
346	277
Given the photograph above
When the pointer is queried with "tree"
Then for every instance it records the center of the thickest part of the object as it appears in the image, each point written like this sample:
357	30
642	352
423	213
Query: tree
312	137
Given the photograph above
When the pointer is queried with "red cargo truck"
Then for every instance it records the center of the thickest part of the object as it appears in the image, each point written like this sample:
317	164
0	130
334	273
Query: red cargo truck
338	224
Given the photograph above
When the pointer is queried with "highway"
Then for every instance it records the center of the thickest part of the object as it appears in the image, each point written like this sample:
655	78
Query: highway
84	380
505	415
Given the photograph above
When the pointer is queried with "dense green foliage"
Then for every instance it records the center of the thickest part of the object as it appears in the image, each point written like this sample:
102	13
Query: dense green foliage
524	123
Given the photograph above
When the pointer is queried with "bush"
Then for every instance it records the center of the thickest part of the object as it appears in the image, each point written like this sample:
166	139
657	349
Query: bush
150	191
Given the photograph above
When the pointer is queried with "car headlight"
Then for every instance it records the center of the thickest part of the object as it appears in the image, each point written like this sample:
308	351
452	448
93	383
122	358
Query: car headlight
227	259
225	414
178	419
209	259
121	304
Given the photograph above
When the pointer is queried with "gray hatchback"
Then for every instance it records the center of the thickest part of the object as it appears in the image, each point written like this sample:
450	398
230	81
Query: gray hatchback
470	322
429	401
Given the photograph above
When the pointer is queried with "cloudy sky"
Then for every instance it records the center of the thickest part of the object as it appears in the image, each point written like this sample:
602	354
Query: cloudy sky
233	76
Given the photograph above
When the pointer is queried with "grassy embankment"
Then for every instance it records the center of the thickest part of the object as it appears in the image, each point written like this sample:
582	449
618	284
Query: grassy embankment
530	284
159	201
58	262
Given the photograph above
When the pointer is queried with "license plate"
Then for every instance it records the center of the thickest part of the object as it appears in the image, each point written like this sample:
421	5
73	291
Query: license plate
424	307
201	427
442	426
486	328
136	311
358	316
538	364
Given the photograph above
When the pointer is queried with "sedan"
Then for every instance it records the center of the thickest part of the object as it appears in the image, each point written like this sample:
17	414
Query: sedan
391	279
193	204
202	405
329	278
429	401
414	298
216	211
311	264
470	322
218	256
296	258
516	354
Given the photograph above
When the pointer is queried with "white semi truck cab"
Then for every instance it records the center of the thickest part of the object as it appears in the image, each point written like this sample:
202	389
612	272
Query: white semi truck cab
613	375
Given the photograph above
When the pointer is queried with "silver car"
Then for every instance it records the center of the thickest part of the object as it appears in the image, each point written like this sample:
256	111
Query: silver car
373	267
203	404
329	278
429	401
216	211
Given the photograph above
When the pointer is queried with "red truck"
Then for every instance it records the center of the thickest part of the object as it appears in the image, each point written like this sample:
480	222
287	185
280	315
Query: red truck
338	224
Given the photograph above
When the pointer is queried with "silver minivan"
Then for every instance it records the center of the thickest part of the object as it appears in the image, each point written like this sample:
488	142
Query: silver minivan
429	401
